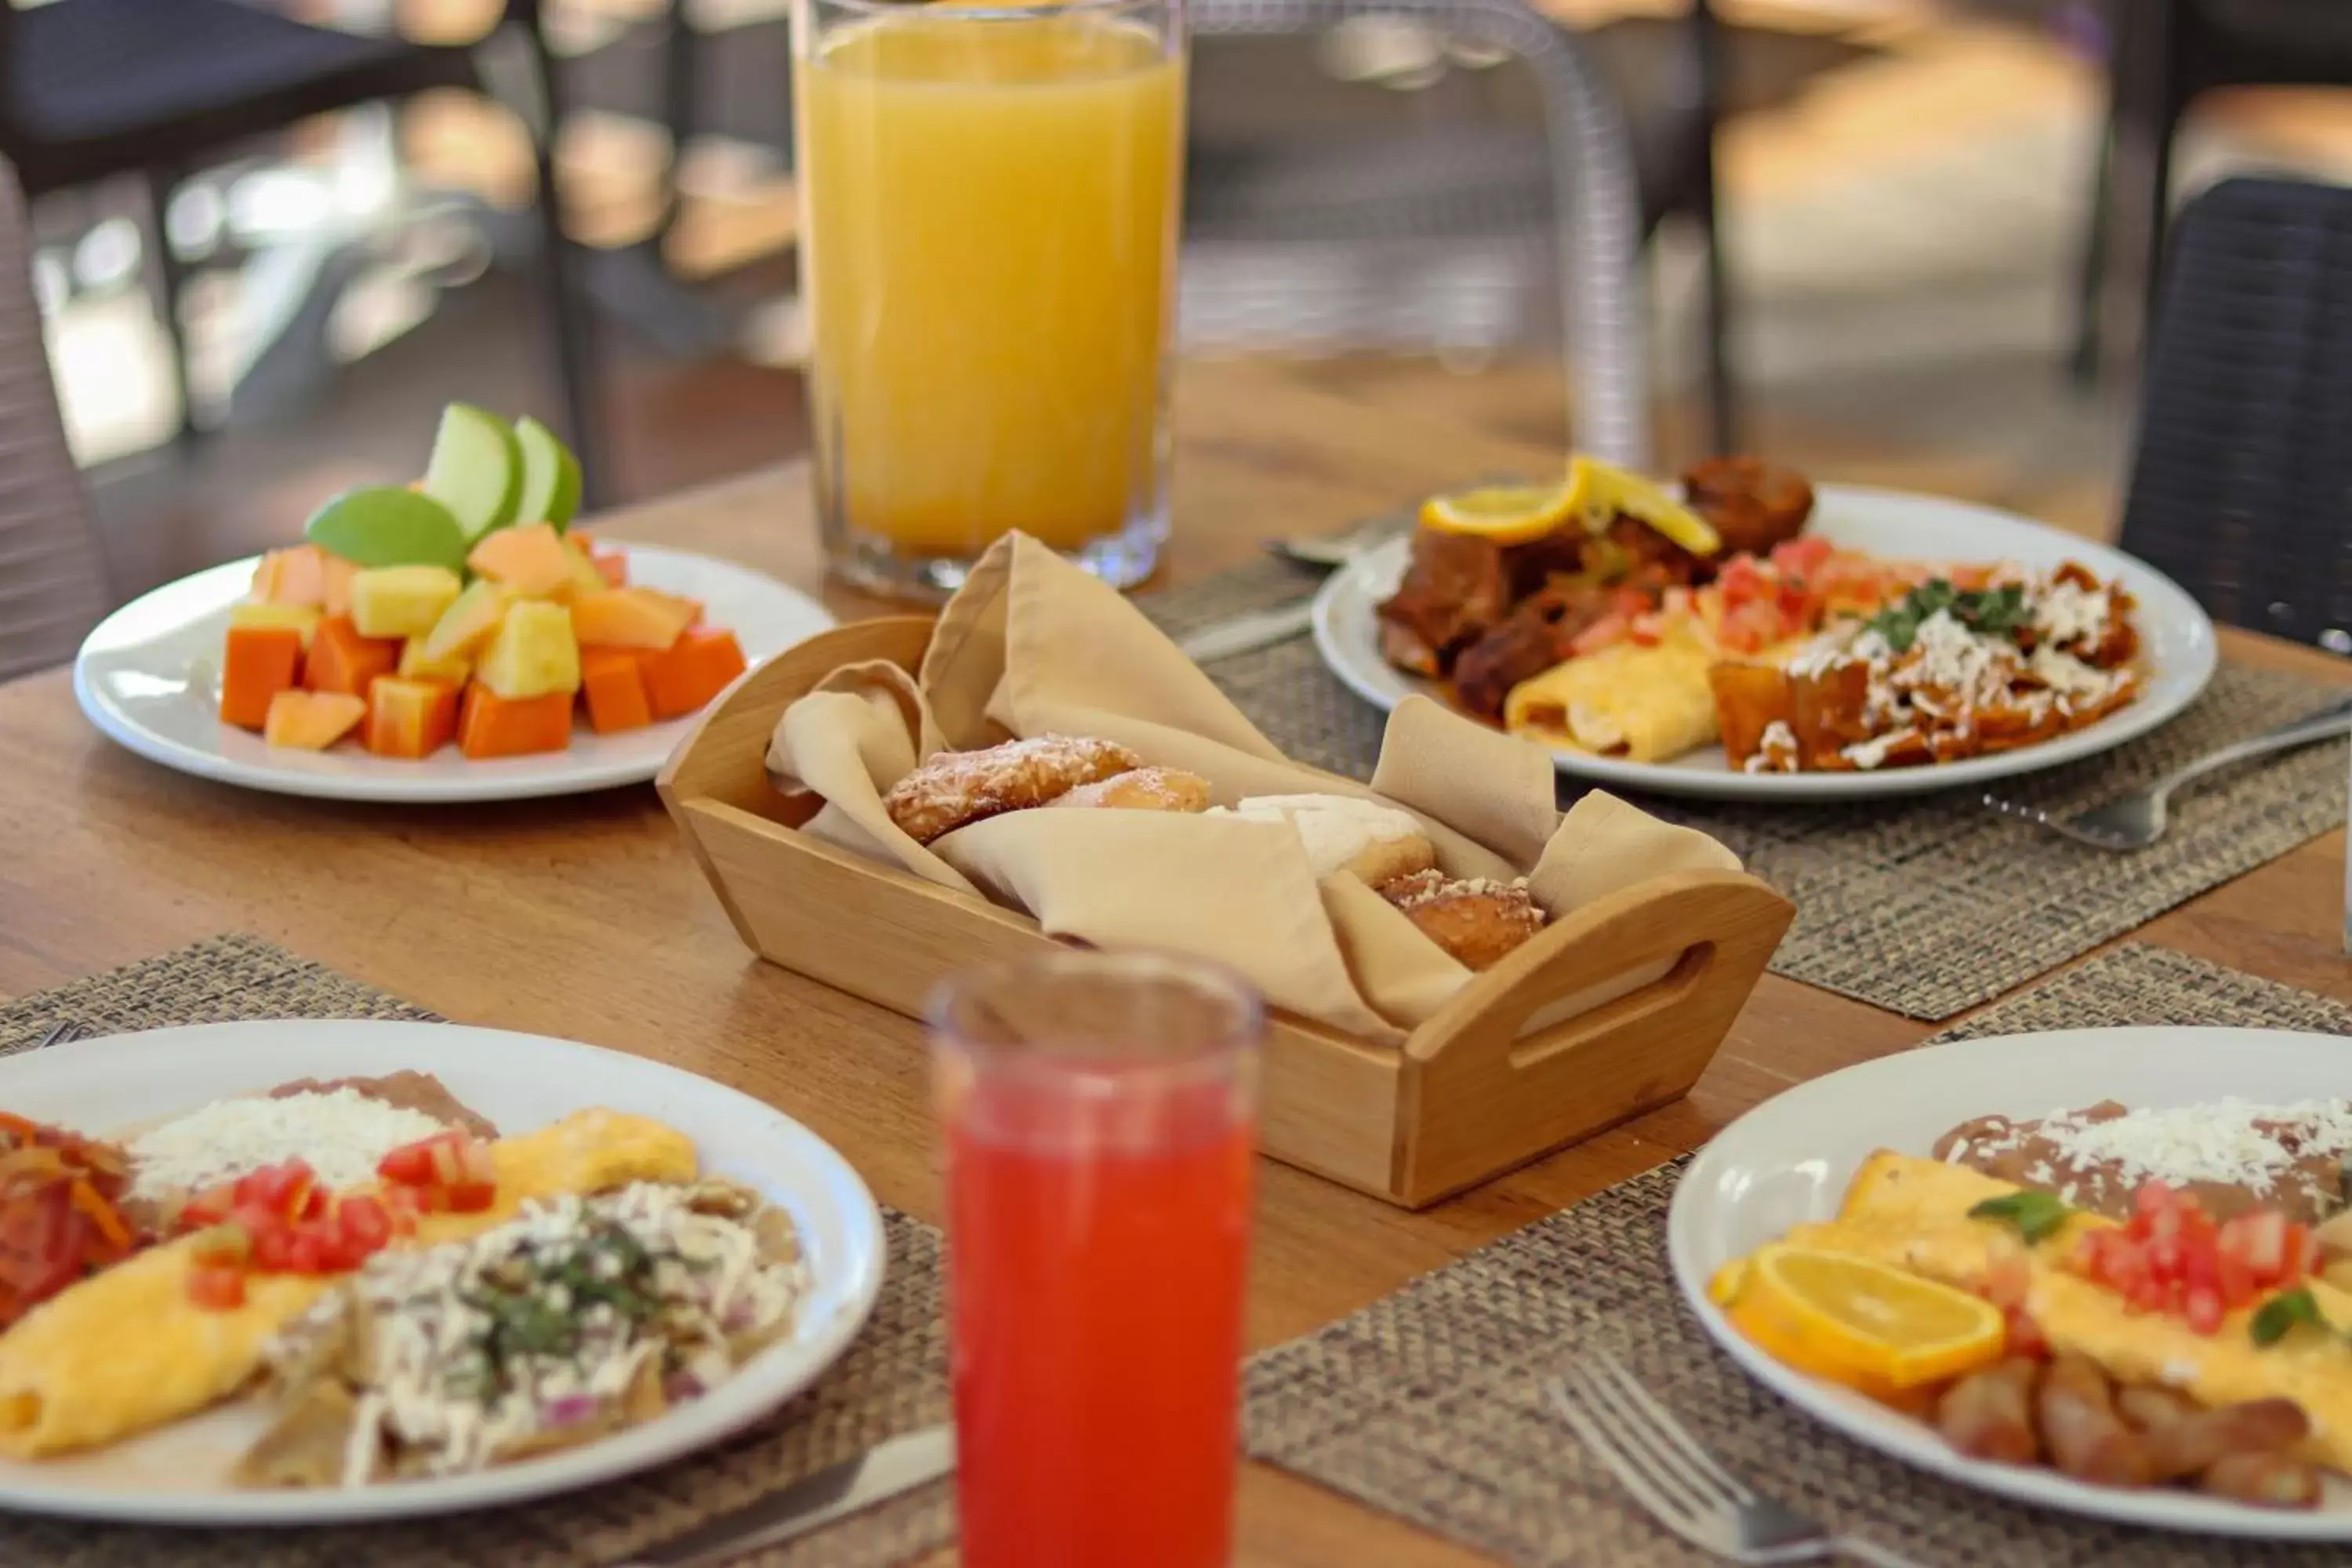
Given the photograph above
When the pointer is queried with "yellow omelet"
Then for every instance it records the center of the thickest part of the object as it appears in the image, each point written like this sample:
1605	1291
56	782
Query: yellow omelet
126	1349
1648	704
1914	1214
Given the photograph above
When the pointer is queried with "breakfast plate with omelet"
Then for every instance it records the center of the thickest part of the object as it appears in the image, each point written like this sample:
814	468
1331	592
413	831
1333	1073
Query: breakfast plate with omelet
291	1272
1747	635
2102	1271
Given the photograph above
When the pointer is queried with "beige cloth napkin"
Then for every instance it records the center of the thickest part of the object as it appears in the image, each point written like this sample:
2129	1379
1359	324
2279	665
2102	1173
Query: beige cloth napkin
1032	645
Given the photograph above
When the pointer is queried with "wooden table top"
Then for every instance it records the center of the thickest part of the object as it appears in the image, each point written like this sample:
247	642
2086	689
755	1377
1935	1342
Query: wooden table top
585	917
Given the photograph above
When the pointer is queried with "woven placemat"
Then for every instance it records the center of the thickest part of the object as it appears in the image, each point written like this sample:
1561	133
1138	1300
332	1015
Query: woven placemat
893	1380
1430	1404
1889	892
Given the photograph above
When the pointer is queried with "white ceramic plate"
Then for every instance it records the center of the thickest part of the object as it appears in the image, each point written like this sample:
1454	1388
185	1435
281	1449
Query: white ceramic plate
2177	637
519	1083
149	677
1788	1162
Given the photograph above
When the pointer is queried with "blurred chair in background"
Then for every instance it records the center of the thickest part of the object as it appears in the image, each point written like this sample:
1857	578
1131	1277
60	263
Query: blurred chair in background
2241	488
1428	192
2162	56
95	88
1380	186
53	577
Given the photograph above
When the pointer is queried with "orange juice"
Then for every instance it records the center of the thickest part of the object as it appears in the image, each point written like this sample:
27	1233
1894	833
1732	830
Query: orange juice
991	211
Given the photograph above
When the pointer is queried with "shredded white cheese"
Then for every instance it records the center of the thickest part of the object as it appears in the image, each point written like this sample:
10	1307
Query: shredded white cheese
340	1135
2227	1141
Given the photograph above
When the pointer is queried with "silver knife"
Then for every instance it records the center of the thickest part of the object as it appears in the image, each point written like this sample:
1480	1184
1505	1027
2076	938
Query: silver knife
1249	632
882	1472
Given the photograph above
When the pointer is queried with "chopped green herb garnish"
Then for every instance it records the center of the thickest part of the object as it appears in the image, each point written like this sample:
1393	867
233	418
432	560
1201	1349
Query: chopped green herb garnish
1995	612
2282	1313
2034	1216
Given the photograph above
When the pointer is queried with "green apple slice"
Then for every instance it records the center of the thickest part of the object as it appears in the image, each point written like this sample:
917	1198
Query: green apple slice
388	525
476	469
551	476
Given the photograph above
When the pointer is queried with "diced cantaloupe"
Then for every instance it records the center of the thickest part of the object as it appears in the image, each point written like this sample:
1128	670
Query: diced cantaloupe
415	664
692	671
614	567
257	664
469	623
302	618
613	685
690	608
311	721
337	573
629	617
489	725
409	719
532	653
402	601
295	575
586	578
529	562
341	660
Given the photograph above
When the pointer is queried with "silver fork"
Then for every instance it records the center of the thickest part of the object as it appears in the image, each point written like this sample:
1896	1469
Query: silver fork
1657	1459
59	1035
2134	821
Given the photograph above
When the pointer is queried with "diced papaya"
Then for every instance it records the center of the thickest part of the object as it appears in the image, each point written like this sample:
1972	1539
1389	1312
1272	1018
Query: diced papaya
614	567
697	668
630	618
490	725
613	683
257	664
296	576
341	660
529	562
301	617
311	721
409	719
415	664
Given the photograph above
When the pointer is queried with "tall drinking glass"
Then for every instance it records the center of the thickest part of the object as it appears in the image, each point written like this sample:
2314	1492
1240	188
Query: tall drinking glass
1101	1117
990	208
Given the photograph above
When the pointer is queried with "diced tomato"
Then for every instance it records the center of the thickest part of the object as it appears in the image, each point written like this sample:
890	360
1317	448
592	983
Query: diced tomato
1802	556
273	1250
479	1164
309	1253
2262	1237
365	1222
411	1164
1629	602
2024	1335
283	1189
227	1243
2237	1281
217	1287
470	1197
2303	1258
1610	629
400	1205
2203	1307
448	1167
209	1207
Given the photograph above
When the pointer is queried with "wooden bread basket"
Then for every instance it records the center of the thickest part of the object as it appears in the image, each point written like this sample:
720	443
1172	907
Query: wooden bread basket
1515	1066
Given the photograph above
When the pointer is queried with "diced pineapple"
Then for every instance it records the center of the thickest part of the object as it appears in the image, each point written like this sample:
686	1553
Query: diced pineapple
467	624
586	577
532	654
402	601
415	664
303	618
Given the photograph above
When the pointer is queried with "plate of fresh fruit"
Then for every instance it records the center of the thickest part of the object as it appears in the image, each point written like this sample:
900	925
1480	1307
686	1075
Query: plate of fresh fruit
451	640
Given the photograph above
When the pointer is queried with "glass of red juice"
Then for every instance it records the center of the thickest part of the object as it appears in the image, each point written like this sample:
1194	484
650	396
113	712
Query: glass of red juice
1100	1114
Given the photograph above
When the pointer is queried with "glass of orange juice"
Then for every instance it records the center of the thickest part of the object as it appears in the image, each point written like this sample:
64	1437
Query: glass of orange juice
990	203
